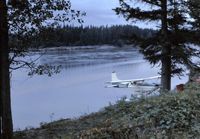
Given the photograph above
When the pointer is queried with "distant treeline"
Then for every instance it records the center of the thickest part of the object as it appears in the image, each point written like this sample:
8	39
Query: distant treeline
73	36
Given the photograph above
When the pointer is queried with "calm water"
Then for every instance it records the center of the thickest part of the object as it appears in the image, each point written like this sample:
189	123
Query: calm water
79	89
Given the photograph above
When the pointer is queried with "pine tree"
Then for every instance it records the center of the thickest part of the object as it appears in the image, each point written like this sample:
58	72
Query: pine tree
194	11
170	45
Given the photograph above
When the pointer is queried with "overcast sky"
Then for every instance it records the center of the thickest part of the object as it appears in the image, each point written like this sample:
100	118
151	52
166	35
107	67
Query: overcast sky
99	12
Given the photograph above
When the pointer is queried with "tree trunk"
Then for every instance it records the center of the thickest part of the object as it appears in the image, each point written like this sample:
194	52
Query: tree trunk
1	104
166	52
166	69
7	126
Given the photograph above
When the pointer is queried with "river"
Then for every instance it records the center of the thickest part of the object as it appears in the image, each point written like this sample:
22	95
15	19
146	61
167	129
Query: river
80	87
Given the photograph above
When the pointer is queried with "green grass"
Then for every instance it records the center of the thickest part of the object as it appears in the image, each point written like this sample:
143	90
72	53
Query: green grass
173	115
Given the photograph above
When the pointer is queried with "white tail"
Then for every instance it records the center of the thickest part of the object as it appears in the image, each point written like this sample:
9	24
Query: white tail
114	77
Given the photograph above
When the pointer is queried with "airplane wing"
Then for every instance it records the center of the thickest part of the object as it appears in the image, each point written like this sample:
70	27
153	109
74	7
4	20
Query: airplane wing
116	80
117	83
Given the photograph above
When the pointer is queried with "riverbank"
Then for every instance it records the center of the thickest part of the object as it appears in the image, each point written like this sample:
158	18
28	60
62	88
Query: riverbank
174	115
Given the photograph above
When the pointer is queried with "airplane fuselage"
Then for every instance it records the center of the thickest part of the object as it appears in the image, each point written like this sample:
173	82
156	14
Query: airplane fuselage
132	83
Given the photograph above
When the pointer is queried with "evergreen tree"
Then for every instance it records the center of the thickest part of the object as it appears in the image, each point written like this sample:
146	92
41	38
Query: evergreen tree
70	35
169	45
194	11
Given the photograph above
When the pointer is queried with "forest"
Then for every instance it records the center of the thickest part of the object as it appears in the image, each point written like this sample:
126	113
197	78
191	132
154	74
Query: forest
90	35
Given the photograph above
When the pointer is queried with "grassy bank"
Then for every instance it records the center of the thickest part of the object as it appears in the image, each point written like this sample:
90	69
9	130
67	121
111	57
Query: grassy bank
174	115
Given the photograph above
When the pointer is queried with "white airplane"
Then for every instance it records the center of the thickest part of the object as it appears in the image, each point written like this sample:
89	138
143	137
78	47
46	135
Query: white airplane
132	83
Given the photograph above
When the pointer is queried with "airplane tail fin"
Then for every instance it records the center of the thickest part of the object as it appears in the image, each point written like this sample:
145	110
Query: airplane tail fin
114	76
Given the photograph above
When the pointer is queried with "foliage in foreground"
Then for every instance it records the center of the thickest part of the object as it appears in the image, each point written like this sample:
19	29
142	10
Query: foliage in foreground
175	115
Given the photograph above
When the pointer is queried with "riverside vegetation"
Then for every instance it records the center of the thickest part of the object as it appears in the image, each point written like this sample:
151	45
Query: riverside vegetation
171	115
